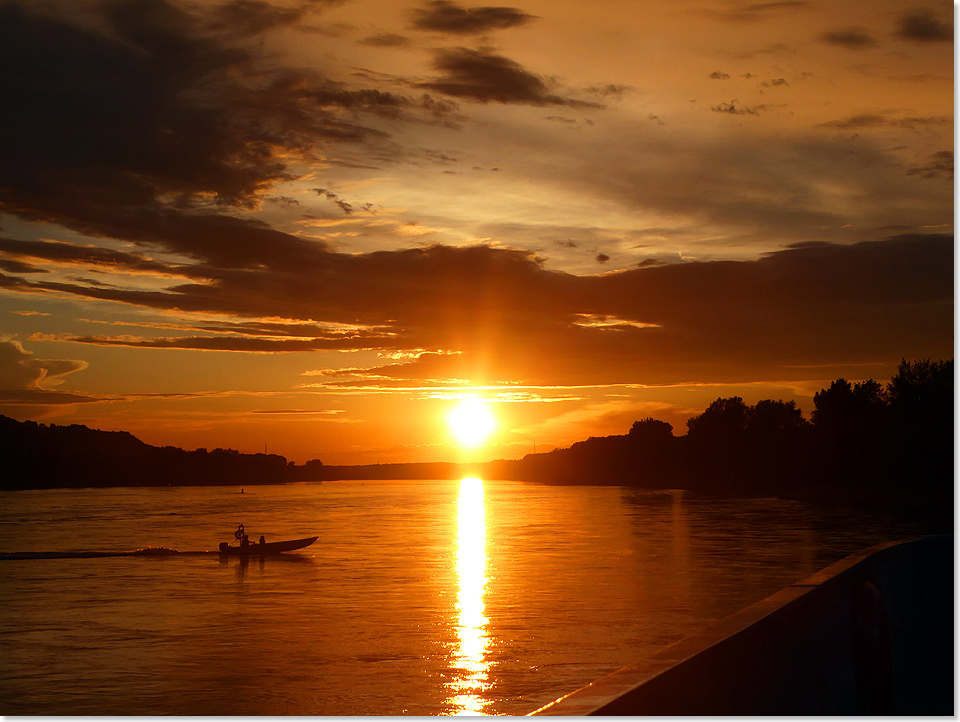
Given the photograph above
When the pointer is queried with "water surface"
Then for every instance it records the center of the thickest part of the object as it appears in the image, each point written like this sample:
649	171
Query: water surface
419	598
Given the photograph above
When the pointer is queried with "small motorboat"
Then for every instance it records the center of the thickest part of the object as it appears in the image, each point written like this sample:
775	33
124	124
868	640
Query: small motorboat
266	548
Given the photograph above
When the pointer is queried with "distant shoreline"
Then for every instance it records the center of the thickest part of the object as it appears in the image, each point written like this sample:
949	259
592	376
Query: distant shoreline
868	446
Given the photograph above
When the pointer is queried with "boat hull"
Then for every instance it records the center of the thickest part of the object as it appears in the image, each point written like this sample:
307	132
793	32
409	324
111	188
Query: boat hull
266	549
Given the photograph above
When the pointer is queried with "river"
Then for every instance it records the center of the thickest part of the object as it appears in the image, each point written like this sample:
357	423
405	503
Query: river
419	598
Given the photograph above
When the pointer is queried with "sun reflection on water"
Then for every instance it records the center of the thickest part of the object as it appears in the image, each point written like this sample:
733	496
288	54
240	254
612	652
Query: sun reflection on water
470	663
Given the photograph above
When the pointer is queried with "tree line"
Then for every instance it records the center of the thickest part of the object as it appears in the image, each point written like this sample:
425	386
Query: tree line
865	442
890	442
41	456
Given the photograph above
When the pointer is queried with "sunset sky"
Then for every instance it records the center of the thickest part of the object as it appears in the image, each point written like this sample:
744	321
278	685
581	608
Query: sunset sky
314	226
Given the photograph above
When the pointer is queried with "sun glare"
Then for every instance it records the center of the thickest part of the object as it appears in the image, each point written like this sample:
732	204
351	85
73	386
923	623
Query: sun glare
471	422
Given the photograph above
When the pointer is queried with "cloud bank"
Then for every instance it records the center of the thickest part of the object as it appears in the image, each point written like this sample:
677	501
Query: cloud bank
499	316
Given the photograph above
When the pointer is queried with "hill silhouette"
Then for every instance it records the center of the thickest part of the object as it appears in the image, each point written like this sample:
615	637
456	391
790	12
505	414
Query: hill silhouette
40	456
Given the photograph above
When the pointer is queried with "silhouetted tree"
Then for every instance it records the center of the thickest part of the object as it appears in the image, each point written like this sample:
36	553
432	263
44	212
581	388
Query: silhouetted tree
921	409
775	419
843	405
652	450
761	449
650	431
313	470
923	391
778	446
723	419
853	435
716	446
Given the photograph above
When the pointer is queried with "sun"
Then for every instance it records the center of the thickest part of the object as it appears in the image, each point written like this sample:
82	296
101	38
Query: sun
471	422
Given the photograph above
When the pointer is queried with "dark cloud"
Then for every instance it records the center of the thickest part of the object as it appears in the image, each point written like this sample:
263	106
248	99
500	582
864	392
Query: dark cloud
484	77
853	38
148	131
387	40
89	281
252	17
425	369
940	165
719	75
112	112
166	113
447	17
747	12
863	120
217	239
91	256
31	399
20	267
814	301
310	412
733	109
263	329
874	120
608	90
923	25
497	314
283	201
293	330
776	49
221	343
339	202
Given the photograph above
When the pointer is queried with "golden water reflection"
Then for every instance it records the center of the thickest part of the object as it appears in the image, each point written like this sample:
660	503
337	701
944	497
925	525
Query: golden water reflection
470	665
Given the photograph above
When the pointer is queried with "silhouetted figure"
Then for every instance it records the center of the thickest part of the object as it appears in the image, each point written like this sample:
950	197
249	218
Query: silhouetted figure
245	542
262	540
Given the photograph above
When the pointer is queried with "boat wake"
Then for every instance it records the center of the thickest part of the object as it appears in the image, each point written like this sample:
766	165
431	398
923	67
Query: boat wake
145	552
259	550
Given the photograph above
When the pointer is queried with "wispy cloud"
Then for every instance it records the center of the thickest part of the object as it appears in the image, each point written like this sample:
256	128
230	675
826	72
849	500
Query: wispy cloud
299	412
28	380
